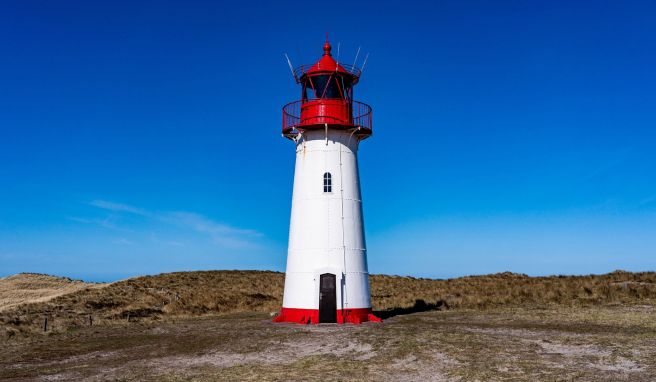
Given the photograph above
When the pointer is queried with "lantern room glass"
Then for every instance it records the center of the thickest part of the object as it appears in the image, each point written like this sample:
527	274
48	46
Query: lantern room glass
327	86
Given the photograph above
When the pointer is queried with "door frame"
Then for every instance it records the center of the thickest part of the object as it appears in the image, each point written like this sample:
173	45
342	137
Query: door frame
334	289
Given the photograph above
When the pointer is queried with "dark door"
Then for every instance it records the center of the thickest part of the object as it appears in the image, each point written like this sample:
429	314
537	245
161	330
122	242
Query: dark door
327	298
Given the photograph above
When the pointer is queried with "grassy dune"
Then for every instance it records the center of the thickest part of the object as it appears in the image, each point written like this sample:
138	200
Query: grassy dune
28	299
514	290
30	287
216	326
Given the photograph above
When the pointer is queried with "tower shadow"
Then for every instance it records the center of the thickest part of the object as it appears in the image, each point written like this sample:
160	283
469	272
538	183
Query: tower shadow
419	306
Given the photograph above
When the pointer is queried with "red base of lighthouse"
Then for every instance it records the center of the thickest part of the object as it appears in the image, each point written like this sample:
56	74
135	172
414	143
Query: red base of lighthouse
311	316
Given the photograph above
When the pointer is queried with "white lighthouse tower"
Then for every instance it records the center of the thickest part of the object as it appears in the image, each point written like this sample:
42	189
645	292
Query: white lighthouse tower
327	278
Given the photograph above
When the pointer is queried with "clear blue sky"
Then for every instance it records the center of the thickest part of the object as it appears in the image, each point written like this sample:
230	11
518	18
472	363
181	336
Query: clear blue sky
144	137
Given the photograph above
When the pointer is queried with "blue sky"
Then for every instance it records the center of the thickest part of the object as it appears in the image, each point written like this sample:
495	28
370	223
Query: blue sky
144	137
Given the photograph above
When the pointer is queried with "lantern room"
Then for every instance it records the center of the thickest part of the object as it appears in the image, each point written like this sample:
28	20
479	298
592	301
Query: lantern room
326	99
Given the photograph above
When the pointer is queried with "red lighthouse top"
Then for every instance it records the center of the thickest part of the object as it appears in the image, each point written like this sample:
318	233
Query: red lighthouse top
326	99
327	64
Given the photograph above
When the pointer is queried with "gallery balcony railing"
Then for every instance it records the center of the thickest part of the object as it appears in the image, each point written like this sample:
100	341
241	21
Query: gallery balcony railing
338	113
301	70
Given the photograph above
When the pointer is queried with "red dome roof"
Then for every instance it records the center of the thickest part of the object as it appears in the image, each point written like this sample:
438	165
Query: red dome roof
327	64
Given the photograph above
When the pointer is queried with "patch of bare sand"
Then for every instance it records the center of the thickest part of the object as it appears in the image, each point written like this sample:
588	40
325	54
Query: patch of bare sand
67	376
594	357
567	350
510	332
621	365
587	355
274	353
431	368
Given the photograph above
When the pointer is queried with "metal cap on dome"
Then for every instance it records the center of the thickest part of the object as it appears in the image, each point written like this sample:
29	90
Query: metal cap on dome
327	48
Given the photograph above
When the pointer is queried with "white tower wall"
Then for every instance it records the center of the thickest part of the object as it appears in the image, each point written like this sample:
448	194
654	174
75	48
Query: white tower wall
326	229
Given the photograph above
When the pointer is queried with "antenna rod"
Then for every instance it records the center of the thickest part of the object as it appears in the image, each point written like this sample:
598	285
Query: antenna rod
291	67
356	57
338	43
365	63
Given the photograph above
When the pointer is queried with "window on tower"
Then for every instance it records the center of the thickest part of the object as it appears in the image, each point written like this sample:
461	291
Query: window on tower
327	182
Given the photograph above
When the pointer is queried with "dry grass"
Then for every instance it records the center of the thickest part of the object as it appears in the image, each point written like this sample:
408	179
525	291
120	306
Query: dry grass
151	298
30	287
184	294
510	289
214	325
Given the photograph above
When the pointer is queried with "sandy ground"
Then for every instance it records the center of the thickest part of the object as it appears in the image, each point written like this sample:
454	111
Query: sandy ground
585	344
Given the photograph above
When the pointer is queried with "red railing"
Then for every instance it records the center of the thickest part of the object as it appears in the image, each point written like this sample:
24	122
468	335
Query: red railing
301	70
361	115
291	116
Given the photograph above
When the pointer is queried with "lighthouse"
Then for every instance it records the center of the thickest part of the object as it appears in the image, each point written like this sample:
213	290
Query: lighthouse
326	279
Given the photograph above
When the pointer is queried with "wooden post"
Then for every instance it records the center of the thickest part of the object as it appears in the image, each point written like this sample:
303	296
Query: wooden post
45	325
